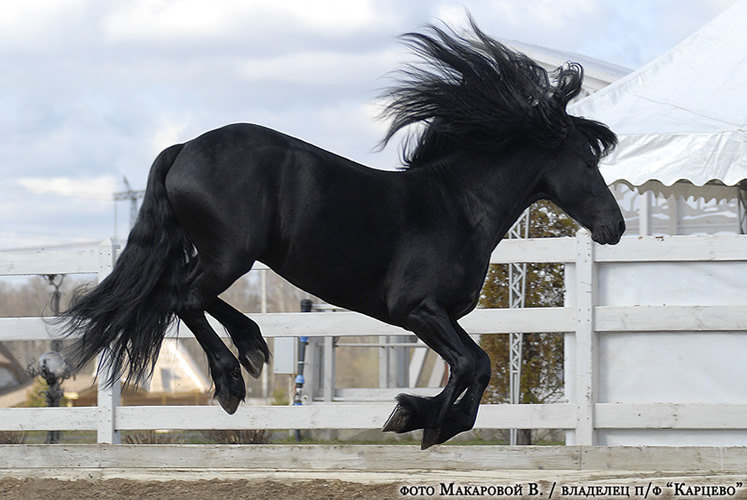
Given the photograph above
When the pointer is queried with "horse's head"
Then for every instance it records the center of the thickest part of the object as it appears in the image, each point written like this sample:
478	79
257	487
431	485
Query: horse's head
477	95
575	184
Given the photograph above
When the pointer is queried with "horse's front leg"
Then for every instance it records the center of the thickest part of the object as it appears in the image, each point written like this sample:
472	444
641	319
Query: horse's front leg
433	326
462	415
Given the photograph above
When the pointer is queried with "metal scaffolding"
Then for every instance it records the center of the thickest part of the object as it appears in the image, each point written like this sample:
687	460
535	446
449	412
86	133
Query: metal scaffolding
517	284
132	195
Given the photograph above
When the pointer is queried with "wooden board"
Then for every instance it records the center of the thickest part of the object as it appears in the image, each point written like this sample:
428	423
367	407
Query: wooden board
373	457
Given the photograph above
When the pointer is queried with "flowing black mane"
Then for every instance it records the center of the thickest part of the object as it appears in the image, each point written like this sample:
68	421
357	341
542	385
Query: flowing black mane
473	91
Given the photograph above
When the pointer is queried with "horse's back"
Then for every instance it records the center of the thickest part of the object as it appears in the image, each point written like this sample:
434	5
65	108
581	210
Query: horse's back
244	152
304	211
235	167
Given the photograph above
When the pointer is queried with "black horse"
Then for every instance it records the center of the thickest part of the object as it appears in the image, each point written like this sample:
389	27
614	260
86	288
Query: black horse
410	247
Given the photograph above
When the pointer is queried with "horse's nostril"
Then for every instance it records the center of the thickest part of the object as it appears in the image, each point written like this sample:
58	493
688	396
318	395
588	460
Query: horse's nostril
621	226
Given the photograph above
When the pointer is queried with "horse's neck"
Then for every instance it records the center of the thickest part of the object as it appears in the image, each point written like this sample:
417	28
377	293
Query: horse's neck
496	191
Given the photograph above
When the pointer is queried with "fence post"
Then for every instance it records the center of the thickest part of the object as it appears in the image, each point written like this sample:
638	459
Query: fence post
329	369
586	345
108	397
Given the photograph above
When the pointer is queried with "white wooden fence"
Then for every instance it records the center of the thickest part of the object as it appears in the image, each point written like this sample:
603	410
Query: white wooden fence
586	320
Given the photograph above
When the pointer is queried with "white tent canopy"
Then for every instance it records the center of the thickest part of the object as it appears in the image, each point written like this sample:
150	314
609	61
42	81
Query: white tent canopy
681	119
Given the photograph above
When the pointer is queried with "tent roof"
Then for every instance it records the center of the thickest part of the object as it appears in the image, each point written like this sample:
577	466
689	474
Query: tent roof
597	74
681	119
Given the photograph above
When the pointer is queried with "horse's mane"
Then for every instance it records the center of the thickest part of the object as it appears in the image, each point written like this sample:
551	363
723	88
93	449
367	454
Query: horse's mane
472	91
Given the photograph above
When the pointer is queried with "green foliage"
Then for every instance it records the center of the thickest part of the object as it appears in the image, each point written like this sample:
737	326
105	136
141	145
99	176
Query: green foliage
35	396
542	353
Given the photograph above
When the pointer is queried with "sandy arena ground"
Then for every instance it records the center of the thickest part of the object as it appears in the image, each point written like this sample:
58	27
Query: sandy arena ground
189	485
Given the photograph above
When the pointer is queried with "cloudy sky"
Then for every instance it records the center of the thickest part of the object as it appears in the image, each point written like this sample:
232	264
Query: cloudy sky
91	91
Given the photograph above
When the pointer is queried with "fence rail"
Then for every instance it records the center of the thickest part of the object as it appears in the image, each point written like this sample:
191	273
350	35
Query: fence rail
585	319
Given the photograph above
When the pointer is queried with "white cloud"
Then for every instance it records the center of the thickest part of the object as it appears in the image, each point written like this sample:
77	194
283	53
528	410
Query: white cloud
170	130
23	22
39	211
89	188
333	67
162	20
340	16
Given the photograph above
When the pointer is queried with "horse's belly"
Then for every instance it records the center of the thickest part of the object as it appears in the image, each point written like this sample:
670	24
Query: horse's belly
348	287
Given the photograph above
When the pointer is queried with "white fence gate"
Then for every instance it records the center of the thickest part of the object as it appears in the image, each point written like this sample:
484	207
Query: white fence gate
585	319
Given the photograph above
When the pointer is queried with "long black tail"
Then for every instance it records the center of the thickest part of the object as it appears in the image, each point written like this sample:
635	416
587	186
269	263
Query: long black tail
126	316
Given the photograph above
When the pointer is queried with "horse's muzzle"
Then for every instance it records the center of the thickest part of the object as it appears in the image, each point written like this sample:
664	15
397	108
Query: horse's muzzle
608	234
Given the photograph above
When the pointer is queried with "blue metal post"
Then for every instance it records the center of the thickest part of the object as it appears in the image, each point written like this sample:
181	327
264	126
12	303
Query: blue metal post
300	380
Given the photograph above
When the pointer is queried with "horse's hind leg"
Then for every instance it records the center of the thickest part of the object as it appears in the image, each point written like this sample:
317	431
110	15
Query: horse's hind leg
433	326
253	350
203	286
224	369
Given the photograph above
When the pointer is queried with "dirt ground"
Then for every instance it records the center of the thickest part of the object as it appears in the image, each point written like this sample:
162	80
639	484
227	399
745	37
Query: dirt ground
57	489
22	489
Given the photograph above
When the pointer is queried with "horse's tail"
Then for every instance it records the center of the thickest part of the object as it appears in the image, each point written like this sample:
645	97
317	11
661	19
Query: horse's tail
125	317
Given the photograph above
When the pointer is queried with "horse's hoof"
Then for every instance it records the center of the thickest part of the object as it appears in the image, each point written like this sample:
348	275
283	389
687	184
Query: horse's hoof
229	404
431	437
253	362
397	421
